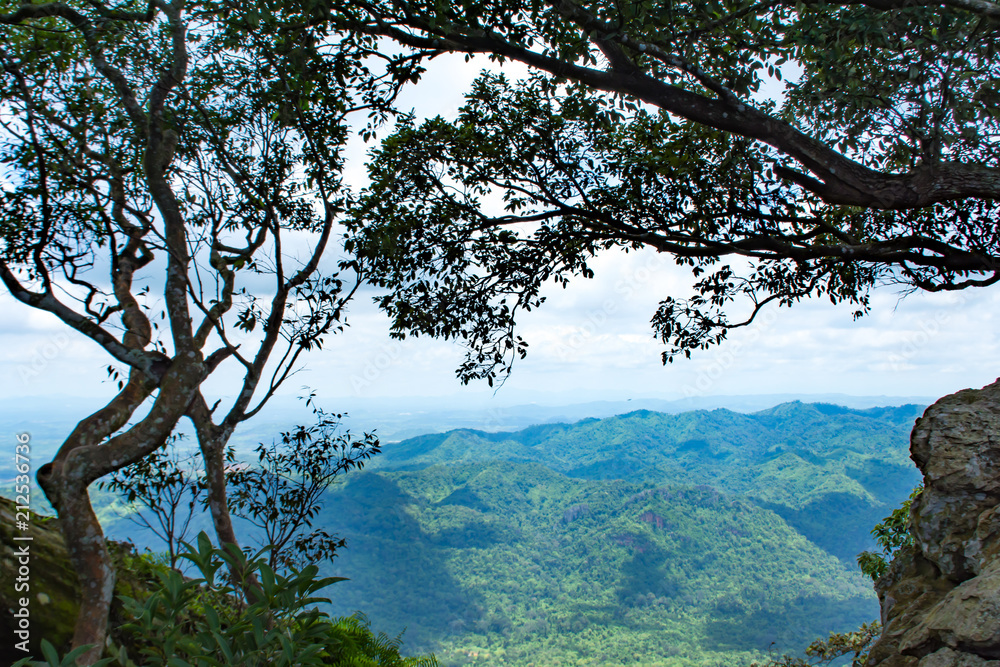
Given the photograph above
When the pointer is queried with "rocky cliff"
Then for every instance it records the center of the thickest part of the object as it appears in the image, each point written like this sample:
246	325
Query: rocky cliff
941	598
38	571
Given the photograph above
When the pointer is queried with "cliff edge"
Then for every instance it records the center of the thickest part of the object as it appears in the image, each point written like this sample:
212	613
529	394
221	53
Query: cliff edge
940	599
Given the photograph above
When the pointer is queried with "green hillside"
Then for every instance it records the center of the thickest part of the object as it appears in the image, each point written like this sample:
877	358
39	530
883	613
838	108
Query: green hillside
831	472
513	563
699	539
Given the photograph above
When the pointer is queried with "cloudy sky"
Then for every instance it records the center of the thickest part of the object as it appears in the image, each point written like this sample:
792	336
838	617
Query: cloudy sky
592	340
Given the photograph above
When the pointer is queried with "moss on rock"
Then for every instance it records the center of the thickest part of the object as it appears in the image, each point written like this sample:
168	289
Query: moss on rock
49	584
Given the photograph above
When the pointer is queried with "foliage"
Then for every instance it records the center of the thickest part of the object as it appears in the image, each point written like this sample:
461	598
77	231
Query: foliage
360	647
709	543
207	621
777	150
890	534
52	658
839	644
166	485
513	563
284	492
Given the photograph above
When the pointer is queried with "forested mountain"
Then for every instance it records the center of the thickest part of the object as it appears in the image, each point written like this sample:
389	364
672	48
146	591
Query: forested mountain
812	463
702	538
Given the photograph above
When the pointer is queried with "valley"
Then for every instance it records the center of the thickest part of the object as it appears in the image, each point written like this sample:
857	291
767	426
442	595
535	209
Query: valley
704	538
707	538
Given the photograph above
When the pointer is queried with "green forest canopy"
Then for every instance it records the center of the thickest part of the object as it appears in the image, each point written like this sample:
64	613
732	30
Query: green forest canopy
718	534
645	125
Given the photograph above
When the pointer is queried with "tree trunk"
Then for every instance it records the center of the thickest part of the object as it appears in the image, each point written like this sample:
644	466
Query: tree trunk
95	571
91	451
213	439
213	449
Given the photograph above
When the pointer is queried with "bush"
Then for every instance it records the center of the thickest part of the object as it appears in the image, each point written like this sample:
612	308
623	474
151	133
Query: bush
890	535
208	621
839	646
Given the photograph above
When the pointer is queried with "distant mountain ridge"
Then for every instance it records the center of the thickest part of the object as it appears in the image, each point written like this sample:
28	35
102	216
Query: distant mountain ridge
785	424
691	539
50	418
789	458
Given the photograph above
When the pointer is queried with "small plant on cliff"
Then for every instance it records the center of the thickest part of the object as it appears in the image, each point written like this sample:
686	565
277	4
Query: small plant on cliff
891	534
162	490
835	647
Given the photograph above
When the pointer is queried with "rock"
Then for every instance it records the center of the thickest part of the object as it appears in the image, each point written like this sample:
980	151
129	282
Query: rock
941	598
52	589
967	618
907	591
956	444
948	658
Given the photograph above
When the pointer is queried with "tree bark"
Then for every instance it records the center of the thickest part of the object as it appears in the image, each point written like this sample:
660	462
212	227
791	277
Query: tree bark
92	450
213	439
89	555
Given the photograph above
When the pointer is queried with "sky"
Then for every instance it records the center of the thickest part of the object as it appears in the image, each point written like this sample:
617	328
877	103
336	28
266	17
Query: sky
593	341
590	341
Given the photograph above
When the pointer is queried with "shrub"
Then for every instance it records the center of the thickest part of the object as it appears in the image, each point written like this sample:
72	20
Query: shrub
891	534
208	621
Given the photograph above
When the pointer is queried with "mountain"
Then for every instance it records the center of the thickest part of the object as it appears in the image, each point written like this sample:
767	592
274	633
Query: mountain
513	563
700	539
832	472
703	538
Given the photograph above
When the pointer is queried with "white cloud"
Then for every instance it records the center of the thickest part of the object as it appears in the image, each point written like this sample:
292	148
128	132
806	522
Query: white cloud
594	338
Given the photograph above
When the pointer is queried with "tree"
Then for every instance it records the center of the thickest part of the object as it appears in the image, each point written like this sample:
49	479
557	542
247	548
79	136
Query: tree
172	179
280	496
284	493
648	125
162	490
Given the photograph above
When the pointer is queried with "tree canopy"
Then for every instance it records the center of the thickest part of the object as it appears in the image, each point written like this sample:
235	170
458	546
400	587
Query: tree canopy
171	182
168	163
663	125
